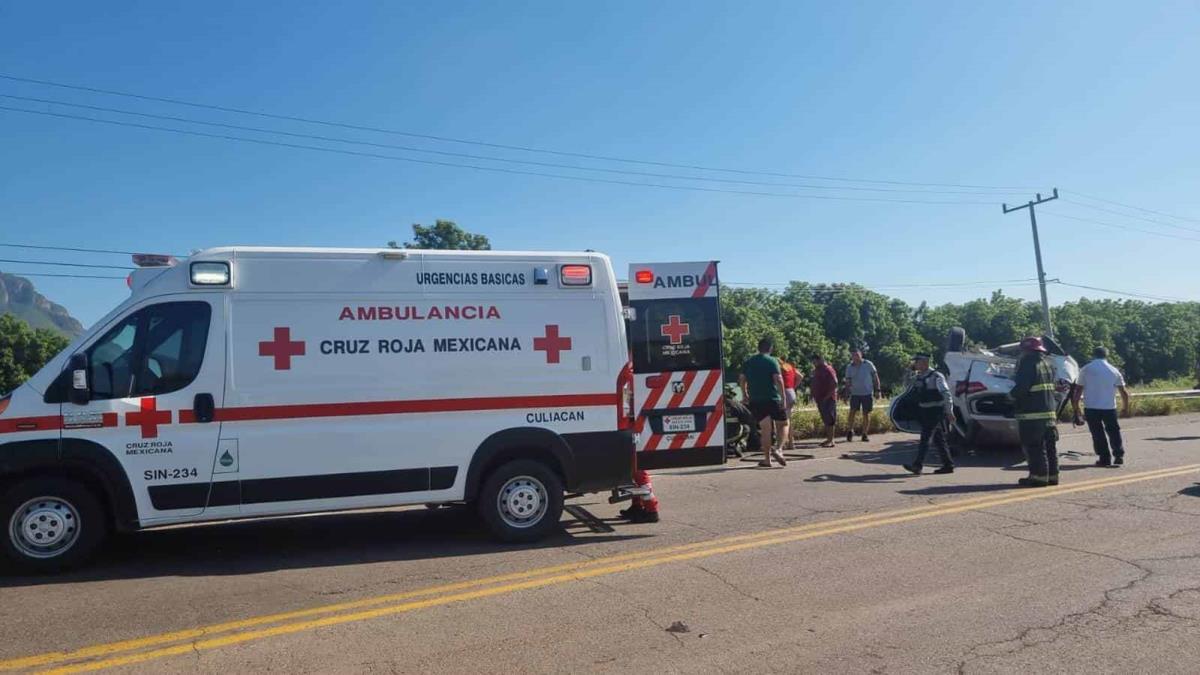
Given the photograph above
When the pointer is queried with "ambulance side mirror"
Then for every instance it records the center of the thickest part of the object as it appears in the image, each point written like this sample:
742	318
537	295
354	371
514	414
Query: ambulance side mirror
80	392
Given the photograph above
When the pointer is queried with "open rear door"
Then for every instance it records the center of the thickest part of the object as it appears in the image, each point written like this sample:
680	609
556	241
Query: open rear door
674	328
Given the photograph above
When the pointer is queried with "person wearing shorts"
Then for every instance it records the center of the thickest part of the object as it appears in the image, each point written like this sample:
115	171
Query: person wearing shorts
863	381
790	376
762	388
824	394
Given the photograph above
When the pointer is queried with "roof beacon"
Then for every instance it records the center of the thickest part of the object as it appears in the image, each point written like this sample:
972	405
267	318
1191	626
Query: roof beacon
154	260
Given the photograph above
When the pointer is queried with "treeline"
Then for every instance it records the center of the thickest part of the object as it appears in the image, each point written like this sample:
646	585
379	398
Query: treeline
1149	341
23	350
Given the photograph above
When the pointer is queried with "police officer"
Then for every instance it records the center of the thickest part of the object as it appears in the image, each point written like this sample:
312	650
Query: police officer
1033	396
935	410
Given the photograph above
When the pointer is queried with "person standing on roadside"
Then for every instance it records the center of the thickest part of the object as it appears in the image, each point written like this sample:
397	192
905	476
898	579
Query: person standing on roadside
762	386
824	385
1034	404
1099	382
790	377
935	410
863	381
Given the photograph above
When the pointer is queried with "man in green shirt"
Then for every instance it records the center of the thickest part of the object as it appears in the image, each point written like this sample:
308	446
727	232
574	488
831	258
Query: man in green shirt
762	389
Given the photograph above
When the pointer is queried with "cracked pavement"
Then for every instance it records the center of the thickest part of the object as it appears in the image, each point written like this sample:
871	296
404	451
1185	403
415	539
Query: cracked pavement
1098	581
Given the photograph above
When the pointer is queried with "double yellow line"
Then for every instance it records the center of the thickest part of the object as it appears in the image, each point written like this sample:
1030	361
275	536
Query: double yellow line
140	650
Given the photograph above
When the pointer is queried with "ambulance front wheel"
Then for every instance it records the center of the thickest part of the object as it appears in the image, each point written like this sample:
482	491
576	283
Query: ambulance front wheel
50	524
521	501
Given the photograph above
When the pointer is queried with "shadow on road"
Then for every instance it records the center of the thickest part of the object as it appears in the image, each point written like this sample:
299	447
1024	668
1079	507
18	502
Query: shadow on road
330	540
1191	491
935	490
867	478
1171	439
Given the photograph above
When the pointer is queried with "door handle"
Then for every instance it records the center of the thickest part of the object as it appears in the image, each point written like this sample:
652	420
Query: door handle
204	408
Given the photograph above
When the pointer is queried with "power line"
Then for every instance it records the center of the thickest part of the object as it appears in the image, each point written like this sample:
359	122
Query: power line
1130	215
817	288
521	148
64	264
476	167
1130	294
489	158
66	248
67	276
1125	227
1131	206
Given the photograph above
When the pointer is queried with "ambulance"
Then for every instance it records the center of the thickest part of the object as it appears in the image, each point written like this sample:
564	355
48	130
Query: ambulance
255	382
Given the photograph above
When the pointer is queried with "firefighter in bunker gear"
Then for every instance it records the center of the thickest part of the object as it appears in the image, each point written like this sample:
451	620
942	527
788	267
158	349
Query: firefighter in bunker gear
936	411
643	509
1034	405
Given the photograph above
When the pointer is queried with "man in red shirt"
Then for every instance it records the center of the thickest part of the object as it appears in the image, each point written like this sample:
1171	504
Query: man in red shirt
824	394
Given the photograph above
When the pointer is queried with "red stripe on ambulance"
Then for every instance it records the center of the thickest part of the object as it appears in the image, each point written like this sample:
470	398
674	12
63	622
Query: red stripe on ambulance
713	421
309	410
709	274
674	402
706	390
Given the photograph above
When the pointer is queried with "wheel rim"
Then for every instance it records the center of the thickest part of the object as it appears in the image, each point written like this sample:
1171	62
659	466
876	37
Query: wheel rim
45	527
522	501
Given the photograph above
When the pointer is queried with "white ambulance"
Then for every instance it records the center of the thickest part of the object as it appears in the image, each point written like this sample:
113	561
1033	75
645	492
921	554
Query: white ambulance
247	382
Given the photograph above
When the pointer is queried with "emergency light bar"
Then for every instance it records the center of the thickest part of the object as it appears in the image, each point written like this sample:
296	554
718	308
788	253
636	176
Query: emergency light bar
643	276
154	260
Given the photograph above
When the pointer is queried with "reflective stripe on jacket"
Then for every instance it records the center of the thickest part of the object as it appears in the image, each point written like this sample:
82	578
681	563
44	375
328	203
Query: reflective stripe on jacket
1033	388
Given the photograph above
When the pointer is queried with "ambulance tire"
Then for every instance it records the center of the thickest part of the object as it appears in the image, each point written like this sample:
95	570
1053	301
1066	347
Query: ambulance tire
521	501
73	519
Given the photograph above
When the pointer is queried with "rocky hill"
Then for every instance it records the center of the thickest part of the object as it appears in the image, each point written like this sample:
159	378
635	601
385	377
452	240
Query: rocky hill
18	296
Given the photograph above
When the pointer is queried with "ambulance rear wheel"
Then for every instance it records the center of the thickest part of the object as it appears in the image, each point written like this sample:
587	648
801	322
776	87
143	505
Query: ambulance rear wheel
50	525
521	501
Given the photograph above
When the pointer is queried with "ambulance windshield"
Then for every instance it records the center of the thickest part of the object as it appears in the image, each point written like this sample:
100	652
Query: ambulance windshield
675	335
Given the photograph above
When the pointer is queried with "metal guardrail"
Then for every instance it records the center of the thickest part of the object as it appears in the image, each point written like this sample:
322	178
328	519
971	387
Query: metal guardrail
1177	394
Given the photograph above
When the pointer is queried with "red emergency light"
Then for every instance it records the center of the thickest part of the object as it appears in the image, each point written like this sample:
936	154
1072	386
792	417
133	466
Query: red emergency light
576	275
644	277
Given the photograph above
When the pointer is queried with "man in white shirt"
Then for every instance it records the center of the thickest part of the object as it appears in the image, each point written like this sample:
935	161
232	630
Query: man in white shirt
1098	385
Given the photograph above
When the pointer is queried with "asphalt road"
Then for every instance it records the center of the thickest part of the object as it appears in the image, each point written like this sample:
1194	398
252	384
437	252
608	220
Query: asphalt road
841	563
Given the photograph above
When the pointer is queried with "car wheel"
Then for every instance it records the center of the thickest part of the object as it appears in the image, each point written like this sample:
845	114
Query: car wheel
521	501
50	525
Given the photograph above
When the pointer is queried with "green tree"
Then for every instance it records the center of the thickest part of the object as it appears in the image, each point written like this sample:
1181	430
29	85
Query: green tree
447	235
23	350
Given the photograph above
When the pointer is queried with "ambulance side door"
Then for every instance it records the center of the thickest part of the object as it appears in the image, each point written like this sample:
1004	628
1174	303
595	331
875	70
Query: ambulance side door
156	377
674	330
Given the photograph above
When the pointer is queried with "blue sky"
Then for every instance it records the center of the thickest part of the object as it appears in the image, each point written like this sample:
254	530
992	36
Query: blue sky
1093	97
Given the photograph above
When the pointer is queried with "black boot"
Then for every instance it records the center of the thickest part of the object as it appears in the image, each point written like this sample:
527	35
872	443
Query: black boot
913	468
644	516
945	468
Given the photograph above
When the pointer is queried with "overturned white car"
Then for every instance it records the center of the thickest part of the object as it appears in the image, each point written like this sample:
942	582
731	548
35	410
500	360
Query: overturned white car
981	380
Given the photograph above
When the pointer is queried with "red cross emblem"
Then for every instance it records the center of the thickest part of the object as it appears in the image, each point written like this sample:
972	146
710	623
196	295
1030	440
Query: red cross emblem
148	418
675	329
282	348
552	344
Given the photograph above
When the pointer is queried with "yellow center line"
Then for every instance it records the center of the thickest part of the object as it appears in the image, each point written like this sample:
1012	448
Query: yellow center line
535	578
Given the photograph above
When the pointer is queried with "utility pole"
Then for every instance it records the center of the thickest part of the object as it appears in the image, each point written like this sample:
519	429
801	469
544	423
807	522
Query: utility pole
1037	253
